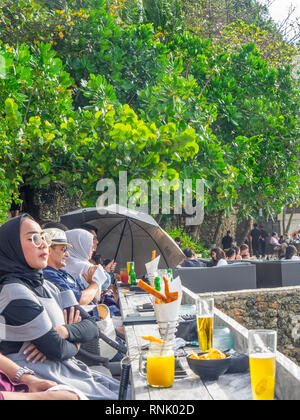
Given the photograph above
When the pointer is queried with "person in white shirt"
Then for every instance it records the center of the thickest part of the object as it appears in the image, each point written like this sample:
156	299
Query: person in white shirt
274	241
218	257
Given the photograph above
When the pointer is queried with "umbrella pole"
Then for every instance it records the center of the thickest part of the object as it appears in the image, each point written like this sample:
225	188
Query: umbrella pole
122	234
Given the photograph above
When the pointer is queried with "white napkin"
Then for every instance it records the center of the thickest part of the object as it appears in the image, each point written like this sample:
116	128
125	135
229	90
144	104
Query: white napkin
152	266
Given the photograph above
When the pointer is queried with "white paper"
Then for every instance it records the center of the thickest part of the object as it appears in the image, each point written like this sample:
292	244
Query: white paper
152	266
176	286
167	312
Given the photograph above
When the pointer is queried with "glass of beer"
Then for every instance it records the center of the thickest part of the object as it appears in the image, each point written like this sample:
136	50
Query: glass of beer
205	322
262	358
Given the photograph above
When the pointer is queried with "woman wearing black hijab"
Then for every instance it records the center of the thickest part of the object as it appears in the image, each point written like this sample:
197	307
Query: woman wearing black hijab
31	311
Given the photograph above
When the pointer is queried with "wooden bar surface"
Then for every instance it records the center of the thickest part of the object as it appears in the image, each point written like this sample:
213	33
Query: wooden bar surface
228	387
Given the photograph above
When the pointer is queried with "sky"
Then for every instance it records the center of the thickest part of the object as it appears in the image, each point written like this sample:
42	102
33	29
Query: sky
279	9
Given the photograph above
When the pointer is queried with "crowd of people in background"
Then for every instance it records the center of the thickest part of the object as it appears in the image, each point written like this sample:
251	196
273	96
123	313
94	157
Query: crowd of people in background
255	248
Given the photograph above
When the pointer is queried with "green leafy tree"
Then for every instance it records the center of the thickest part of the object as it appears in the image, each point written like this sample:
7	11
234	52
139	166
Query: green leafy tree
187	242
77	147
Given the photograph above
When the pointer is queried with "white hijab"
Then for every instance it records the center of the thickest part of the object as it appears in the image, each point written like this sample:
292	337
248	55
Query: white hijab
78	262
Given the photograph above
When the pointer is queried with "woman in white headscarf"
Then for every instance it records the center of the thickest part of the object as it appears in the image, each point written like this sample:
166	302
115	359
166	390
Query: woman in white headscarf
78	264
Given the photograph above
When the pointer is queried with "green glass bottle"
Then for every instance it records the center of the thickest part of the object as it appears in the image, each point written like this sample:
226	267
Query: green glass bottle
170	274
157	284
132	275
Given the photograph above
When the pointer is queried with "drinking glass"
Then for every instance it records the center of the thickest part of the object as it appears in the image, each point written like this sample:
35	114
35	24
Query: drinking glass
205	322
129	265
262	358
124	275
159	365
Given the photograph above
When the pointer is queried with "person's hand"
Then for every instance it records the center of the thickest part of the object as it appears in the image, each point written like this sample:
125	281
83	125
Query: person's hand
61	396
41	396
113	266
33	354
114	291
117	277
35	384
74	316
62	332
89	277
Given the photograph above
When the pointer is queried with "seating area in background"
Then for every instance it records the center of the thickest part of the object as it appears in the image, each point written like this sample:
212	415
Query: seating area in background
241	275
218	279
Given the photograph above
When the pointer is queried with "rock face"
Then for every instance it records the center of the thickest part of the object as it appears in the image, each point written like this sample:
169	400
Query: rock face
48	204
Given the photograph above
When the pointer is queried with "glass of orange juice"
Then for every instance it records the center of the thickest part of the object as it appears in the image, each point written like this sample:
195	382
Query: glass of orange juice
160	362
262	358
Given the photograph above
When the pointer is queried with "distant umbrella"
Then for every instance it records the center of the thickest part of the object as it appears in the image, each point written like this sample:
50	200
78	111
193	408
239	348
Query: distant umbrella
127	235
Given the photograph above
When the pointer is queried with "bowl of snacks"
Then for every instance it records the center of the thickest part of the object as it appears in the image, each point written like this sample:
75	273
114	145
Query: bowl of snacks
209	366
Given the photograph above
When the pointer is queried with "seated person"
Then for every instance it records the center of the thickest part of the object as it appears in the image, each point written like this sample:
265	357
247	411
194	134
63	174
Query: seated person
237	252
94	231
55	225
277	246
110	267
178	241
56	273
291	254
190	259
78	263
36	312
110	296
218	257
282	240
230	254
245	254
17	383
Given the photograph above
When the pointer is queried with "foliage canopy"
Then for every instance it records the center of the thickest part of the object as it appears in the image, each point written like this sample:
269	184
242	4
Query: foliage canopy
92	88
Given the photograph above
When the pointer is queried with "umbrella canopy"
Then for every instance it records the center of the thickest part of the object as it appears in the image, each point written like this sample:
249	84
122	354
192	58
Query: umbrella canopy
127	235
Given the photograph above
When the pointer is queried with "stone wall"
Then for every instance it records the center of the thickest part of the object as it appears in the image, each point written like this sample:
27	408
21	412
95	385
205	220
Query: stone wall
214	227
277	309
48	204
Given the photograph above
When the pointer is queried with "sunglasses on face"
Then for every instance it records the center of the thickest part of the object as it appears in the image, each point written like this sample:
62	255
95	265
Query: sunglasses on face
38	238
63	248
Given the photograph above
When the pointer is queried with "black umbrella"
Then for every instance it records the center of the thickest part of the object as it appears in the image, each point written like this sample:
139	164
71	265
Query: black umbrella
127	235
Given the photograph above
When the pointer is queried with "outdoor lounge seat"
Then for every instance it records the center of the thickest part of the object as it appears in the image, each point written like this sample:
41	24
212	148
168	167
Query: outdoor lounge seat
218	279
278	273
